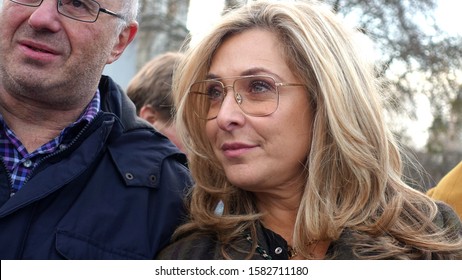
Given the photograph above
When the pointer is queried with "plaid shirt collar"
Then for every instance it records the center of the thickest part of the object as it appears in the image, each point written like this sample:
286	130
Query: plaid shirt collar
20	164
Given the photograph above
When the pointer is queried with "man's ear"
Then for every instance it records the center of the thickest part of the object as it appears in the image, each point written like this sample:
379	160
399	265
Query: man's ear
125	38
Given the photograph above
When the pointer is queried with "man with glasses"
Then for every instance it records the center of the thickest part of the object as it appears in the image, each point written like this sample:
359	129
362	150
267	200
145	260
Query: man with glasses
80	176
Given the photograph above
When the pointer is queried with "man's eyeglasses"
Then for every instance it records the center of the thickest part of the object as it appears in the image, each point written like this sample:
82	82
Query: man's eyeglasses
256	95
81	10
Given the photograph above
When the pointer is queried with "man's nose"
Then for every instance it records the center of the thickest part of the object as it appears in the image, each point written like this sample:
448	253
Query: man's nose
45	16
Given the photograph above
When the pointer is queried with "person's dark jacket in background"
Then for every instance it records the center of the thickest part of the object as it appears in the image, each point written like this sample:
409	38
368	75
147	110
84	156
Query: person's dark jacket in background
115	193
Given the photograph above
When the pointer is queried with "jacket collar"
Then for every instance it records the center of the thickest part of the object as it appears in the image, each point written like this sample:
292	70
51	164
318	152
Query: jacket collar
115	101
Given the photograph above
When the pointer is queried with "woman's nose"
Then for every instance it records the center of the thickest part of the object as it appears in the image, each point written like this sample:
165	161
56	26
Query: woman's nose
230	114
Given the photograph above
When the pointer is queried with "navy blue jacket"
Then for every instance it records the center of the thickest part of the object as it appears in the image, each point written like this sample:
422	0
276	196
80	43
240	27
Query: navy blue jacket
115	193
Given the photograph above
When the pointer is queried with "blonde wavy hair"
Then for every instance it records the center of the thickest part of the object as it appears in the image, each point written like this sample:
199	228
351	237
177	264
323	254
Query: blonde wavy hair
354	169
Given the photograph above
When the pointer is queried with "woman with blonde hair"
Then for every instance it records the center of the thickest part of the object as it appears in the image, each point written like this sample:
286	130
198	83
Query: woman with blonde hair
282	120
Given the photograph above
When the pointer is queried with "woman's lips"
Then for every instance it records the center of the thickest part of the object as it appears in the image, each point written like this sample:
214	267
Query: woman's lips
233	150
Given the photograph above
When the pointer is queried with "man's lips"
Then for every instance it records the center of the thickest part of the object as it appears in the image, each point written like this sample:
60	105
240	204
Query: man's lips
39	47
36	52
30	46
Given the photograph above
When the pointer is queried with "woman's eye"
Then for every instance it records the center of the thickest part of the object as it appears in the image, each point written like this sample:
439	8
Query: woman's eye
214	93
260	86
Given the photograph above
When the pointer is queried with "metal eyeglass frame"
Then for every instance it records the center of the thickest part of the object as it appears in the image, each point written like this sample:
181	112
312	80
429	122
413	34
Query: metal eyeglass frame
58	2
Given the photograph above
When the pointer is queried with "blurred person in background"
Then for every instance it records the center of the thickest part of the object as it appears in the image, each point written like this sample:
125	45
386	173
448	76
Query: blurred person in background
449	189
151	91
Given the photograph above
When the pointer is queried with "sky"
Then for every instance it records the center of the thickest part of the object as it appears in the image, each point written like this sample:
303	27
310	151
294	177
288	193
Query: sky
448	16
200	18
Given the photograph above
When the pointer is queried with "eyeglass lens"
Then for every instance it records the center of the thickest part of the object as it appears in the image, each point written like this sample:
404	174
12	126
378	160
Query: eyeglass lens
85	10
255	95
82	10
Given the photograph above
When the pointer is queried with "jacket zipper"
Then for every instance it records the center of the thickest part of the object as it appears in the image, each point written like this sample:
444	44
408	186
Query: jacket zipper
59	151
10	179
